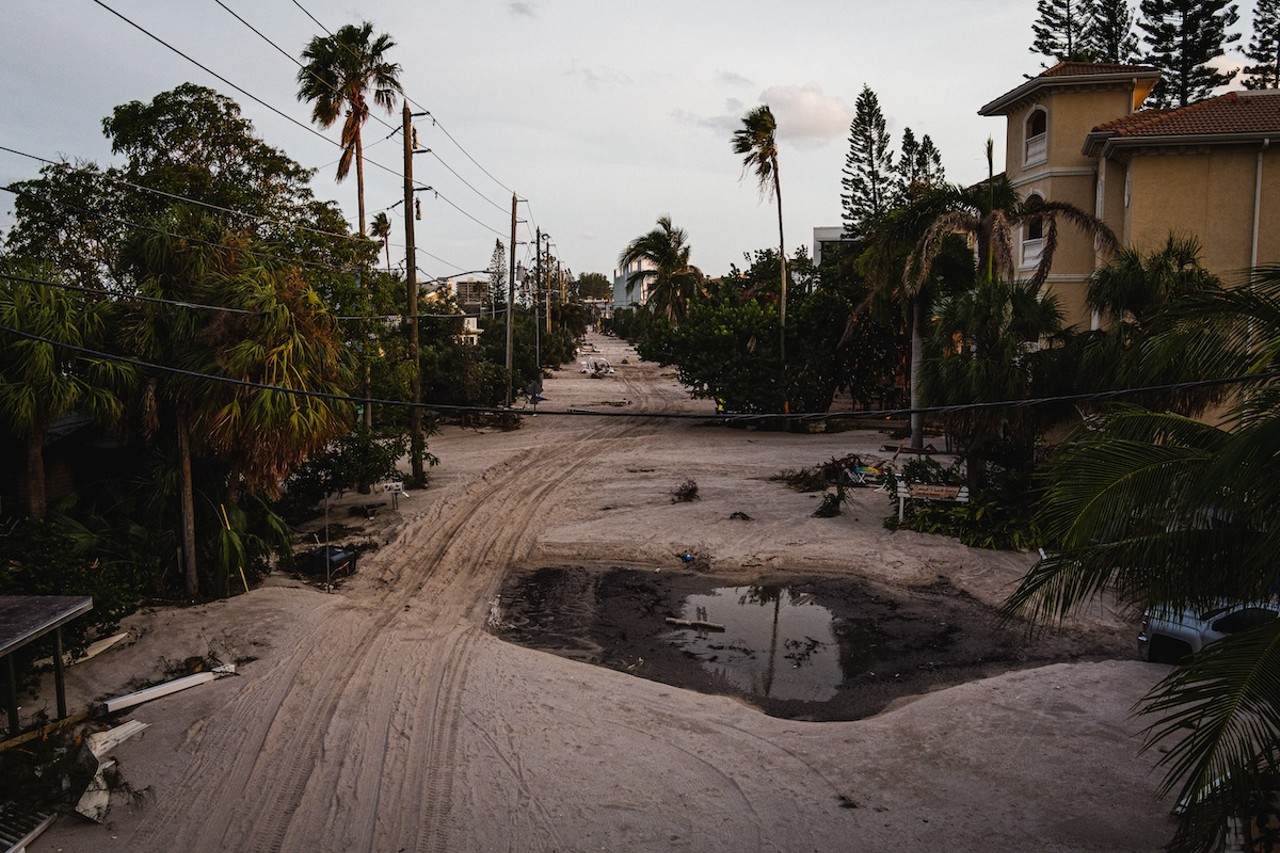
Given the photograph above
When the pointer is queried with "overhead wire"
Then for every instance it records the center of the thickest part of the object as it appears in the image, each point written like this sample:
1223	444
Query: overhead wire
185	237
297	62
185	199
133	297
238	88
310	129
1093	396
394	130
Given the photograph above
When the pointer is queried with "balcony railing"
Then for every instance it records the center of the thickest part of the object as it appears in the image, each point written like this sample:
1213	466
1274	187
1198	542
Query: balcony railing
1031	251
1037	149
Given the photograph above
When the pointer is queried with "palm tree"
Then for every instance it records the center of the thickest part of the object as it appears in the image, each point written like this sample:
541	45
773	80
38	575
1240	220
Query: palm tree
274	332
662	256
1166	511
757	144
381	230
42	382
1130	296
340	73
985	341
989	213
889	247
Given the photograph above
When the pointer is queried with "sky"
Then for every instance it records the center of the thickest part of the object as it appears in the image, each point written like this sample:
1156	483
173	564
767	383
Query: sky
600	115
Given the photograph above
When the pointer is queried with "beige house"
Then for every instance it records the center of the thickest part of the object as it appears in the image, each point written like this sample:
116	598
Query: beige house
1077	133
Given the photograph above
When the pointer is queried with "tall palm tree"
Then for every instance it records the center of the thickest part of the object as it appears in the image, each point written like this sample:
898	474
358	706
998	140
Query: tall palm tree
1166	511
381	230
341	72
663	259
756	142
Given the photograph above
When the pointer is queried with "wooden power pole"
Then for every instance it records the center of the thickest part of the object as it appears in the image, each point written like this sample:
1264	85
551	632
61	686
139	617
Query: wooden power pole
511	294
416	442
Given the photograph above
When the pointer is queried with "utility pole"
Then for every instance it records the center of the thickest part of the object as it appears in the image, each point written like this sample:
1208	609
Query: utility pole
411	286
539	285
511	293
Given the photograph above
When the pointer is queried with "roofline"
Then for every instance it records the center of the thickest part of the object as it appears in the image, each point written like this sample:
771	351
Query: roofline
1001	105
1107	142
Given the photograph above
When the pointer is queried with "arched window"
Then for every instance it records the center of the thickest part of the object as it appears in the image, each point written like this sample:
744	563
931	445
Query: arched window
1036	135
1032	234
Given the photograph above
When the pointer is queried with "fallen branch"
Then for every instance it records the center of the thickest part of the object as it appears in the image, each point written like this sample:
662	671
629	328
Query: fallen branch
694	623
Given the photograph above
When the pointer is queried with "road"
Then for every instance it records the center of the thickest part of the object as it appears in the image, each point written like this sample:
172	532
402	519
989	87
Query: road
384	717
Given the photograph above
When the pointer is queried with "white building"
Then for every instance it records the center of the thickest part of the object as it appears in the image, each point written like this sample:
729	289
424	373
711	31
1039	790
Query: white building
825	235
639	294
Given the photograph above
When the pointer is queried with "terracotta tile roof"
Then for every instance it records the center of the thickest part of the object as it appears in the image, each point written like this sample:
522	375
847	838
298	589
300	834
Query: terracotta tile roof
1234	112
1082	69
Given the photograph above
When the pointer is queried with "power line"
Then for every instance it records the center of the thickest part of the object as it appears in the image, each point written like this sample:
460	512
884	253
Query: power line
435	121
137	297
295	61
724	418
239	89
176	197
446	200
464	180
185	237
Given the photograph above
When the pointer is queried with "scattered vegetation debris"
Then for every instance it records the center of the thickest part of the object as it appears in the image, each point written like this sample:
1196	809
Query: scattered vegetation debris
686	491
801	479
831	501
847	802
739	516
854	470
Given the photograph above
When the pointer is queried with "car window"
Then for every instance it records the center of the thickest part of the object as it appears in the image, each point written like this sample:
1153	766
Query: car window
1248	617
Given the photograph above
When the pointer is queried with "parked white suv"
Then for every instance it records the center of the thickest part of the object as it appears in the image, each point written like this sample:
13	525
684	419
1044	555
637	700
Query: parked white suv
1169	635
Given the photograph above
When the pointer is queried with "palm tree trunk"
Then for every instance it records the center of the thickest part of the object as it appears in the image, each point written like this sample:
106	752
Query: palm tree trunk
188	507
917	359
35	475
782	311
360	181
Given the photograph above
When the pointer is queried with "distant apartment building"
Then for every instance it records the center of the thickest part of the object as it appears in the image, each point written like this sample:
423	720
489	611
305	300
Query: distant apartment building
471	294
1078	133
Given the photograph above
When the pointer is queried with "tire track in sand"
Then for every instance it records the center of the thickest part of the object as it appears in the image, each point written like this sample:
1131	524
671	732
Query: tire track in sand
260	774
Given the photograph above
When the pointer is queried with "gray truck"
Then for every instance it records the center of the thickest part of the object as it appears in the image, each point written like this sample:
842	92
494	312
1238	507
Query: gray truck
1169	635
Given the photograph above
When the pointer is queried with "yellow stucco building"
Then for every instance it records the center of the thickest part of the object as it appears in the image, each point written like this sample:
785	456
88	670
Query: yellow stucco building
1077	133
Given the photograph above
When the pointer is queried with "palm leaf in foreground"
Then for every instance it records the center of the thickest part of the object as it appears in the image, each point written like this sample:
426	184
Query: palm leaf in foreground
1220	716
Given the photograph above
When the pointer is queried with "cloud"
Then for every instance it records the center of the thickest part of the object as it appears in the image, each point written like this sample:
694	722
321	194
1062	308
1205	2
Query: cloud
806	117
730	120
522	9
607	78
734	79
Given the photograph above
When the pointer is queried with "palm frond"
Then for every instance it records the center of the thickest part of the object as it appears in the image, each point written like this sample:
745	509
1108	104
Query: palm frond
1219	716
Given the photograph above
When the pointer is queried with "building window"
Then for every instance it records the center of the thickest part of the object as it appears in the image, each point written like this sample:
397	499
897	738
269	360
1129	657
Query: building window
1037	127
1032	235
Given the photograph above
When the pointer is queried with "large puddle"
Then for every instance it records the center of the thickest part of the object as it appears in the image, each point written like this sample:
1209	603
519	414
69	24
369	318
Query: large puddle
768	641
821	649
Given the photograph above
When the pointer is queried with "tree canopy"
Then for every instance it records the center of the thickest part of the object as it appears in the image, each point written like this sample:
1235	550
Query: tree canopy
1183	37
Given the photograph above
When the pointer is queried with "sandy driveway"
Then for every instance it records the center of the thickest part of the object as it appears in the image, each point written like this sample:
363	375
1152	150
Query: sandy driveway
384	717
